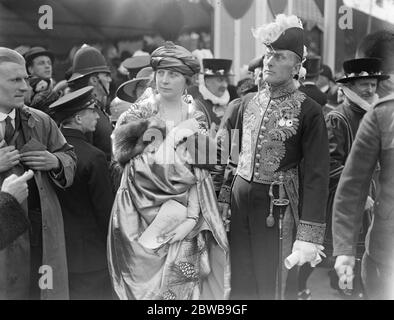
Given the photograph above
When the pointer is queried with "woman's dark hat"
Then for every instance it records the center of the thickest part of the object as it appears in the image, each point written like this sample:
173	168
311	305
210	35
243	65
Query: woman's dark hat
135	64
216	67
126	90
174	57
364	68
71	103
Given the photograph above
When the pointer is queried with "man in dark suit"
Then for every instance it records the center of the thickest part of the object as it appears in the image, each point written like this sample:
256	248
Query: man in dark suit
87	204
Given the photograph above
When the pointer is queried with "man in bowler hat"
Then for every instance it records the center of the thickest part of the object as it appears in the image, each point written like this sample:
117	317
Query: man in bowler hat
87	204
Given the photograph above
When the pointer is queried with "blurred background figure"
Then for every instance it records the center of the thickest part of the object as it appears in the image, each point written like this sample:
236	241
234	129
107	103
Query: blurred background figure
326	83
309	87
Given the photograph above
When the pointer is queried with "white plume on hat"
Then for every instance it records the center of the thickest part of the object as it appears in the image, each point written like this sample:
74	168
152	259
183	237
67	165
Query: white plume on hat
201	54
270	32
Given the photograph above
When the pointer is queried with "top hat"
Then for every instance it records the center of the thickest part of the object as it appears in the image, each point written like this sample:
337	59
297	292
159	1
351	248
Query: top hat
71	103
364	68
126	90
135	64
312	66
216	67
36	52
326	72
88	60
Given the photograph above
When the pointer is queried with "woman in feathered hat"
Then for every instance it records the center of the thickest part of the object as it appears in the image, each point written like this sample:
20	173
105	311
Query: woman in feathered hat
283	146
191	262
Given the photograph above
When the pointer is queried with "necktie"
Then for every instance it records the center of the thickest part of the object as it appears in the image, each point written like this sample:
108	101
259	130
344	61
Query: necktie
9	130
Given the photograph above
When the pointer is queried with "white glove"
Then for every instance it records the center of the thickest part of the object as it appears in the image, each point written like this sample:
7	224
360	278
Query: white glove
308	252
369	203
344	266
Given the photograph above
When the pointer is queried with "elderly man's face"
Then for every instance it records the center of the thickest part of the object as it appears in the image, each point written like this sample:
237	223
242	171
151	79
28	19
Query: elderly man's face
41	66
365	88
279	66
13	86
217	85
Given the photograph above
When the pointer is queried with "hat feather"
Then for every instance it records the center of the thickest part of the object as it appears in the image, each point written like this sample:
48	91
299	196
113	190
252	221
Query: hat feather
270	32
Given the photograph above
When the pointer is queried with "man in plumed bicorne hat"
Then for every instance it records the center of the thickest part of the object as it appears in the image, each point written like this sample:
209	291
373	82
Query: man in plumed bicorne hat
279	127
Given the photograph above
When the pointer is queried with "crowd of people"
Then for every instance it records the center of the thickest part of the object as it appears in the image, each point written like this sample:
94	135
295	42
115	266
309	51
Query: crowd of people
183	186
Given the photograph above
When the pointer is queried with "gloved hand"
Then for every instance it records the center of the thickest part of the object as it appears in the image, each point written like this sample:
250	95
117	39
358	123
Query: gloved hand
344	266
181	231
309	252
369	203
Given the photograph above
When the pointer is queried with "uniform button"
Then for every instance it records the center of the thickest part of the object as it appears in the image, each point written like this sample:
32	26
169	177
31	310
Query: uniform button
261	137
263	128
257	165
269	111
265	119
258	156
259	146
256	174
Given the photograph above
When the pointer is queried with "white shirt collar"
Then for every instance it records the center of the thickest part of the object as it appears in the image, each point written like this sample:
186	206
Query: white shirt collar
12	115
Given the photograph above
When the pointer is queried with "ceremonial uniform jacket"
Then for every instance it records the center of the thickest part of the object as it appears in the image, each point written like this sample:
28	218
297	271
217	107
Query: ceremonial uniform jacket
281	134
86	207
374	142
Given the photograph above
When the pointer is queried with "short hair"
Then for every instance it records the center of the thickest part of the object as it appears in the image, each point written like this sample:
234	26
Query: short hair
9	55
380	45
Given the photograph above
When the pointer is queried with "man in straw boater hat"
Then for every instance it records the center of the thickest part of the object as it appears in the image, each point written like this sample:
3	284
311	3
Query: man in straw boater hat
279	128
30	139
373	144
87	204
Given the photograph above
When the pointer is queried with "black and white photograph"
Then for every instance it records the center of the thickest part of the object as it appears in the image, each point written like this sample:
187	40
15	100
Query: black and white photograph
214	151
